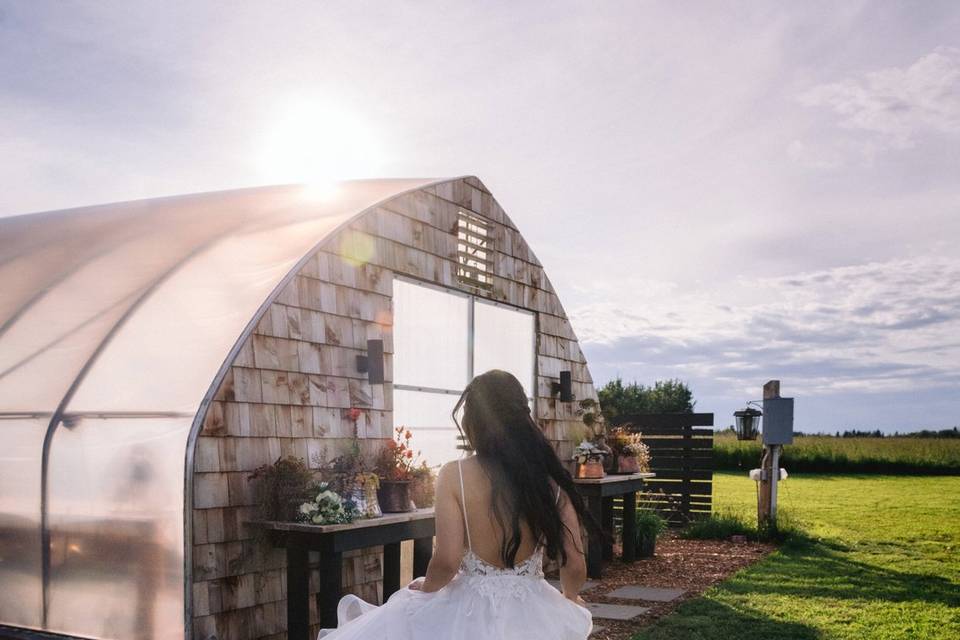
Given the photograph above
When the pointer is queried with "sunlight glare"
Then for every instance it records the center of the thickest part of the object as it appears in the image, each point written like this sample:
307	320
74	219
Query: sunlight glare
317	144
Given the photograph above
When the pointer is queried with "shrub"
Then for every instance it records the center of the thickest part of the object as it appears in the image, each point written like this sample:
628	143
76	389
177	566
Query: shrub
649	524
724	525
719	526
282	486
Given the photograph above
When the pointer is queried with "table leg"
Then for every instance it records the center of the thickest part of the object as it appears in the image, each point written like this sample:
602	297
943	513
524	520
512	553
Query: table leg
331	587
422	552
608	528
298	591
629	527
391	569
595	542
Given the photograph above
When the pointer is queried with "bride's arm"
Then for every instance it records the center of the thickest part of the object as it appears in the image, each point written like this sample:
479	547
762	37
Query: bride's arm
450	535
574	573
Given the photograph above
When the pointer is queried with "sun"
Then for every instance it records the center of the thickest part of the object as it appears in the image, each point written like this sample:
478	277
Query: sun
318	144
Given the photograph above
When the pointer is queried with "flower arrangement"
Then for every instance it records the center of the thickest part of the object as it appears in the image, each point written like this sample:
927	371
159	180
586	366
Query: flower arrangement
327	507
624	442
396	467
587	451
397	461
343	472
589	458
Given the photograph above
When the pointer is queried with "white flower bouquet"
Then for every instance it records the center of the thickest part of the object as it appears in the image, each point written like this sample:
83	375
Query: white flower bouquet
328	508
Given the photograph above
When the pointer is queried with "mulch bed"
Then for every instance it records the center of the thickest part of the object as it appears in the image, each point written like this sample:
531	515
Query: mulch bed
691	565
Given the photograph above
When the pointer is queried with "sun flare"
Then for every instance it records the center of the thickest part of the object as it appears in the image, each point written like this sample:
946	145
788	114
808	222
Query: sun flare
318	144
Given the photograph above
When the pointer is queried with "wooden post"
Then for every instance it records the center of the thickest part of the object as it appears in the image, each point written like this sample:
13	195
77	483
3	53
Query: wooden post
595	543
331	587
298	588
608	528
766	515
391	569
422	552
629	553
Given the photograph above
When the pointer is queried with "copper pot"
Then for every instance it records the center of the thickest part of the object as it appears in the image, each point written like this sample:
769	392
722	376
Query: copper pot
590	469
627	464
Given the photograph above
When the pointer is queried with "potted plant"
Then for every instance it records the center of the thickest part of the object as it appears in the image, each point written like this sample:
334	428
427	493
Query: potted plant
628	451
282	487
423	486
649	527
589	459
394	467
591	433
350	475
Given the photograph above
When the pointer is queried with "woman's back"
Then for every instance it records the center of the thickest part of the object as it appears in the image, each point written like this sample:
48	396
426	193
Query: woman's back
484	535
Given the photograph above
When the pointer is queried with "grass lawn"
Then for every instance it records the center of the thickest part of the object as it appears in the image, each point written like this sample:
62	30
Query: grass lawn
879	558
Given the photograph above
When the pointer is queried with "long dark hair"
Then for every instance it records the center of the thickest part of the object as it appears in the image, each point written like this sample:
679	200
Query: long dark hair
520	461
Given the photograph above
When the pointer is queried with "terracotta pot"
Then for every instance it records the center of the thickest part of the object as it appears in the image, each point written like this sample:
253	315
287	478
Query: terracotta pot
627	464
394	496
590	469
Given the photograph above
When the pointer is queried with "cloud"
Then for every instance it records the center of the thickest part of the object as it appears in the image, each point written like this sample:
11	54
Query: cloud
870	328
896	104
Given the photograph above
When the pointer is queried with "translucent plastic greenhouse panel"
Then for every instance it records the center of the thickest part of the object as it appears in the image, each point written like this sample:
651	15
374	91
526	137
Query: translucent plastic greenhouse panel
116	528
21	586
504	338
430	336
427	415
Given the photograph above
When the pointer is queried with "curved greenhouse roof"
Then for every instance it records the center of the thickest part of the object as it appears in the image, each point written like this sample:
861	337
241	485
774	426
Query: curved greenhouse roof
116	323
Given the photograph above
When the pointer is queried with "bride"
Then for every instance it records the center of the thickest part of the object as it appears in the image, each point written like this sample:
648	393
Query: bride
498	513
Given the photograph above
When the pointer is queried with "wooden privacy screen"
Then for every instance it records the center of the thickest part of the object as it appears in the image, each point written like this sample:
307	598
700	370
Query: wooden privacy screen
681	454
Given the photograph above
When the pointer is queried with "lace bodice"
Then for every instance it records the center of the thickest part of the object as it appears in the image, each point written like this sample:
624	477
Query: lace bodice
531	567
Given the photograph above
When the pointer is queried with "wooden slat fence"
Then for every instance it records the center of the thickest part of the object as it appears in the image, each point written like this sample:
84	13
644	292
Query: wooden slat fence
681	454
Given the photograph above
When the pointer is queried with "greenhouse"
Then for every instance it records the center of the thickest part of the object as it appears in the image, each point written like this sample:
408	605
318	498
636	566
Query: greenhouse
154	353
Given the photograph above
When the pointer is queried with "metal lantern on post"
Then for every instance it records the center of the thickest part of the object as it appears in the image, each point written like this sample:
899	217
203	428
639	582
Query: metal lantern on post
748	421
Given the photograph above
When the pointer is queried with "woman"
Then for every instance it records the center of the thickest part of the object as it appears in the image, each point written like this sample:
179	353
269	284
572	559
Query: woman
498	513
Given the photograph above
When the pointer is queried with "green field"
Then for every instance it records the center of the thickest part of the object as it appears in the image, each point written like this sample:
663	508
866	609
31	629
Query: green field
879	559
812	454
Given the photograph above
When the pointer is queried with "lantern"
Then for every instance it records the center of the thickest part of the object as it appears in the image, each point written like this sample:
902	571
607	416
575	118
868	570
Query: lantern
748	422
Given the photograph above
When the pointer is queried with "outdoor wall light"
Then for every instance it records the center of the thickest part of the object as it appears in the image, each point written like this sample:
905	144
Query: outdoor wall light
372	363
748	421
564	387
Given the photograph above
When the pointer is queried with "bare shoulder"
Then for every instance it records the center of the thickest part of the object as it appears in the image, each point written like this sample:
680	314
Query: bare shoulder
448	474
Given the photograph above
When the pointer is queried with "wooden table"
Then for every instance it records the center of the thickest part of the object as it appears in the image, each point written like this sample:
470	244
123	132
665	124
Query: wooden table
598	493
331	541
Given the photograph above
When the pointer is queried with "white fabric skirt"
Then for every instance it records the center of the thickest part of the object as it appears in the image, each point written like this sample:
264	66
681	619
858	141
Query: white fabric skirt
469	608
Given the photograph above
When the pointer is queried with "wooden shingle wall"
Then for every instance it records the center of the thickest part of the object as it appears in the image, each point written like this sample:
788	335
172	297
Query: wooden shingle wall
291	387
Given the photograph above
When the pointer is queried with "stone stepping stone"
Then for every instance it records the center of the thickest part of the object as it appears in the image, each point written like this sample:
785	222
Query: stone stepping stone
596	629
589	584
653	594
615	611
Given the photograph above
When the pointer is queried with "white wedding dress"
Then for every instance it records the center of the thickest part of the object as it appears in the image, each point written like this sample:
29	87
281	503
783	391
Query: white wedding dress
482	602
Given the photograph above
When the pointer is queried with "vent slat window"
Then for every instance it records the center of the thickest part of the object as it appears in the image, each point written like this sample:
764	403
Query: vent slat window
474	251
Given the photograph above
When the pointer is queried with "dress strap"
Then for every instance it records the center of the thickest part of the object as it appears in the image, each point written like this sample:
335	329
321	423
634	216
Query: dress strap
463	504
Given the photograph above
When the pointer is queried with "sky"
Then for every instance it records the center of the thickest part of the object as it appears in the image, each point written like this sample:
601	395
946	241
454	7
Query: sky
723	193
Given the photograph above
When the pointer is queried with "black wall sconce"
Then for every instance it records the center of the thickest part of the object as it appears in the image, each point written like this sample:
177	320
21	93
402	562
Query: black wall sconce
564	387
372	363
